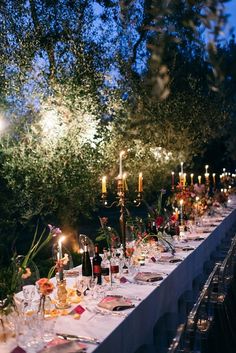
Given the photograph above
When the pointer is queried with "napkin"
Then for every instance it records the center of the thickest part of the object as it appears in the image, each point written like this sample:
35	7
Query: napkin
148	277
115	303
59	345
18	350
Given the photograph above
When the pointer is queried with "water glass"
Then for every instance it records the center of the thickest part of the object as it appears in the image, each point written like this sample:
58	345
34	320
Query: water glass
48	328
29	332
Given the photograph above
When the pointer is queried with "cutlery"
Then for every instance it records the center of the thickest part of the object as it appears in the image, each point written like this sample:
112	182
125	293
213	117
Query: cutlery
83	339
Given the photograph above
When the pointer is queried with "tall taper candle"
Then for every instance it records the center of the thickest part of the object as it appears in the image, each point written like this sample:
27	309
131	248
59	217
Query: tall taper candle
181	211
172	180
191	176
214	178
140	182
120	169
104	184
199	179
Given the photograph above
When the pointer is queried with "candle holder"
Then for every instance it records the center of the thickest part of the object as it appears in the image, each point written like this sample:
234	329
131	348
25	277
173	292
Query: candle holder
121	202
62	299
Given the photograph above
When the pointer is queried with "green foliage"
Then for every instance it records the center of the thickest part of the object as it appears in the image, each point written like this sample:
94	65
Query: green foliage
13	268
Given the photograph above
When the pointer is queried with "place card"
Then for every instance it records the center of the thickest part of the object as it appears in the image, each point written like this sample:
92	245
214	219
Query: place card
77	310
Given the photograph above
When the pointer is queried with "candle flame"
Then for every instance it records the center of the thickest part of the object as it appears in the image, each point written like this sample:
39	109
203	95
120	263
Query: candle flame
62	238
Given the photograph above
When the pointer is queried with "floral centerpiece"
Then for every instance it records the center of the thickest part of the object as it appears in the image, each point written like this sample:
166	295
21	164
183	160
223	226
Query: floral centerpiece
14	271
107	234
45	287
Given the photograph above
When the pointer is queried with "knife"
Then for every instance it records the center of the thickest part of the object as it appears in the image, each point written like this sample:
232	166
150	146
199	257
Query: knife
82	339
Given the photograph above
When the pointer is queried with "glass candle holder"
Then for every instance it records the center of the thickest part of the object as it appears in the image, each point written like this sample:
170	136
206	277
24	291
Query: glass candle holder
62	299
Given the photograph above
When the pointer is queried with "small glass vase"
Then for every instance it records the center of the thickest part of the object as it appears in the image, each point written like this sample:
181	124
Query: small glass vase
45	305
62	298
7	318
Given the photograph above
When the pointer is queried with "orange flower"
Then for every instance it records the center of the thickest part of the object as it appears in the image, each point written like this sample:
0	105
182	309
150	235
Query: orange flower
45	286
26	274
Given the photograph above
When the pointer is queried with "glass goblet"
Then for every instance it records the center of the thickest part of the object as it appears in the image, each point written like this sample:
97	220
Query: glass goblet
29	292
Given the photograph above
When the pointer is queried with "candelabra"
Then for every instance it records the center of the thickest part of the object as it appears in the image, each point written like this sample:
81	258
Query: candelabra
121	200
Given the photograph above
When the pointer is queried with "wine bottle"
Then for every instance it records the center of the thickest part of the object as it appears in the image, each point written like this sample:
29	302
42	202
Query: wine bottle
97	266
115	268
105	267
86	263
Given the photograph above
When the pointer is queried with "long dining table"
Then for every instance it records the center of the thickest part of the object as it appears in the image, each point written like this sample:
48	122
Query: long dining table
132	328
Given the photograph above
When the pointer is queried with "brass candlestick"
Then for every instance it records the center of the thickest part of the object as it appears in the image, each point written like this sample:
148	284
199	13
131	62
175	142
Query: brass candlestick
121	202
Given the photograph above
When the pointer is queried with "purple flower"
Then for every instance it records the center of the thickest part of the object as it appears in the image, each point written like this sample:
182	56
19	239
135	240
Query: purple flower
55	231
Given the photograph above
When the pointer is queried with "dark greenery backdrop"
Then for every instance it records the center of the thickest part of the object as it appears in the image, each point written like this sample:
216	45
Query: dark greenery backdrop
82	80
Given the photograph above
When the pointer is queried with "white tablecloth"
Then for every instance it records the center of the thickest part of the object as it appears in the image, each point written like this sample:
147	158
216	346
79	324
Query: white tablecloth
125	335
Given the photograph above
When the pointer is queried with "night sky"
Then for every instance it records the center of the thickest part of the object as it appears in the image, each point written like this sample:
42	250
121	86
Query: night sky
231	9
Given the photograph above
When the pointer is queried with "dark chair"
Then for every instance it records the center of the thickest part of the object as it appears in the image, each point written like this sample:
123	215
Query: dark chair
192	335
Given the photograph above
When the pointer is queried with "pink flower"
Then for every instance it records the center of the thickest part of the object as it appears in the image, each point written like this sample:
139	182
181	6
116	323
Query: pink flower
55	231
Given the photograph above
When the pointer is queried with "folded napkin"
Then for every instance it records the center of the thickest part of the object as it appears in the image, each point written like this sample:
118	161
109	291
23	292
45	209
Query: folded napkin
18	350
165	257
187	248
148	277
59	345
115	303
174	260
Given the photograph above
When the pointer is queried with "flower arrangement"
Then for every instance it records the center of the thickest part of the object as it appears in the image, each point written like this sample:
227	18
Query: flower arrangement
107	234
45	287
17	269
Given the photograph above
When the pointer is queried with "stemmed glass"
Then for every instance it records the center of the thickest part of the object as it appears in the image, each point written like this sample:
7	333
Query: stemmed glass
29	292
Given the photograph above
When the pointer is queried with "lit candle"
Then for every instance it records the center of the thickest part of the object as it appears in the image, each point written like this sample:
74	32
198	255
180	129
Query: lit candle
181	211
207	177
125	182
120	170
182	167
179	177
197	199
104	184
184	179
172	180
140	182
191	175
206	167
60	247
199	179
214	178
